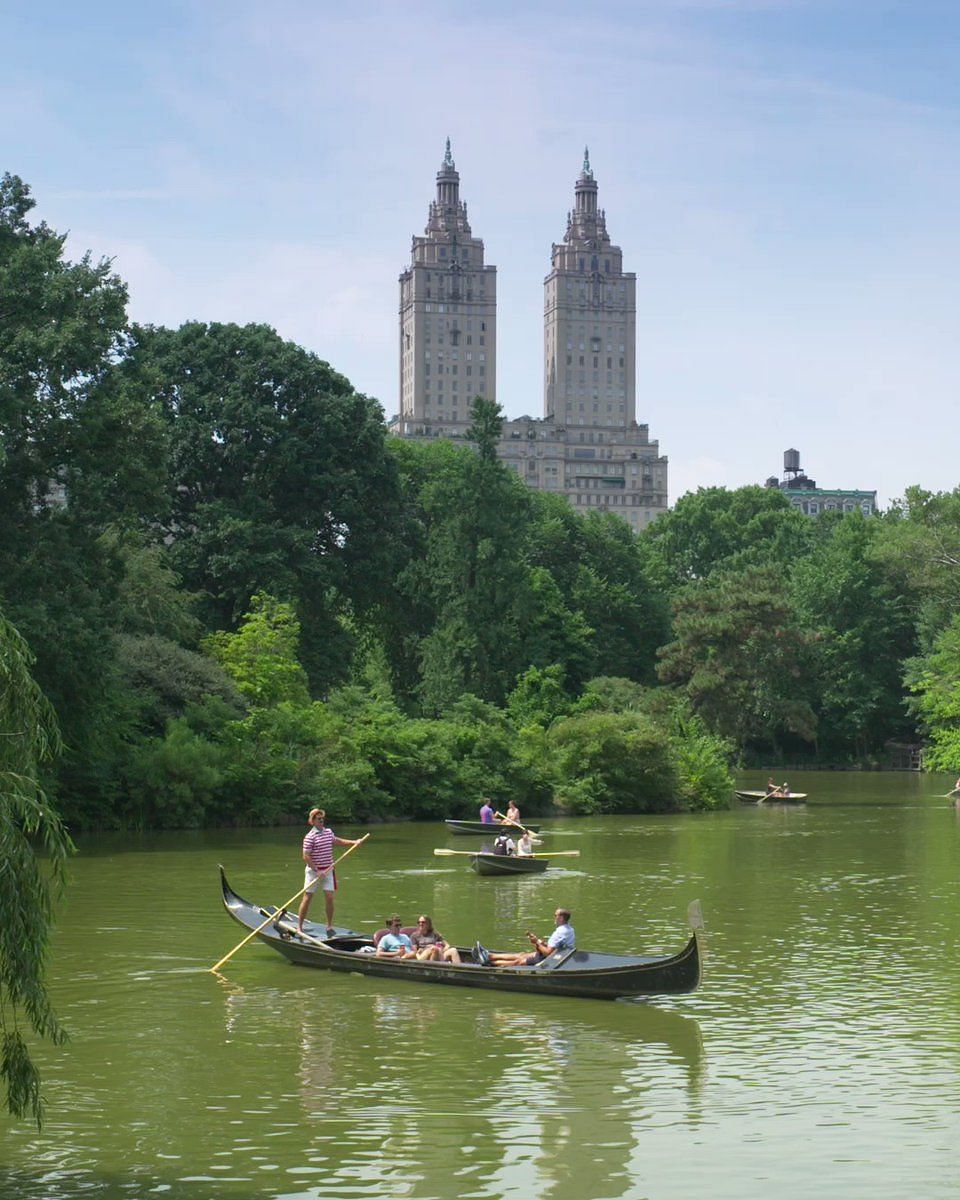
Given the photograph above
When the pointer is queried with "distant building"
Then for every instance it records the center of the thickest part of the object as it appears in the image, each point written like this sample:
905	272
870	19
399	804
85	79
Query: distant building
448	316
803	493
587	446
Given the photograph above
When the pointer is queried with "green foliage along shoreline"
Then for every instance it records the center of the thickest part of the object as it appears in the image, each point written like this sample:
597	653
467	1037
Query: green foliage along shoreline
243	597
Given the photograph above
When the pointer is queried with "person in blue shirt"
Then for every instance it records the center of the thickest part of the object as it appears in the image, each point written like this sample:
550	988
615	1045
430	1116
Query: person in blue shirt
486	812
562	938
395	944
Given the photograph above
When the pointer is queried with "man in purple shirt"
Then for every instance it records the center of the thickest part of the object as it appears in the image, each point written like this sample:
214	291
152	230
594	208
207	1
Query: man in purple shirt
486	812
318	855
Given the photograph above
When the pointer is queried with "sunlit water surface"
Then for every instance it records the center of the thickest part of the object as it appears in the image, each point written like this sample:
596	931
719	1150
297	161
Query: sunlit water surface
820	1057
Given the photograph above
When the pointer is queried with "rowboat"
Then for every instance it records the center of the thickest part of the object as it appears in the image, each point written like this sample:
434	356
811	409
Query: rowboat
567	973
766	798
487	827
507	864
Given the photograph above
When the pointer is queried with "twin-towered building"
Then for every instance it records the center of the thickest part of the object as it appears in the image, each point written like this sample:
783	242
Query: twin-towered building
587	445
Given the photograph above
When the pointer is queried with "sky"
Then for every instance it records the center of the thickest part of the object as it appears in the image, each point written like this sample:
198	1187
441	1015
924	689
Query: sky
782	175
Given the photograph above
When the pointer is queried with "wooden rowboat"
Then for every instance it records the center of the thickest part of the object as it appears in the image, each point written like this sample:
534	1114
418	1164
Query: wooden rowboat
766	798
487	827
567	973
507	864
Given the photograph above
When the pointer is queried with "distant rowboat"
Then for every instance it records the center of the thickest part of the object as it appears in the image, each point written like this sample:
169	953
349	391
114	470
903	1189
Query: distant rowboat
486	827
507	864
766	798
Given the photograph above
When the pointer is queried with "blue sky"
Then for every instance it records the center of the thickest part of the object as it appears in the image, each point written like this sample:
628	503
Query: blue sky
783	177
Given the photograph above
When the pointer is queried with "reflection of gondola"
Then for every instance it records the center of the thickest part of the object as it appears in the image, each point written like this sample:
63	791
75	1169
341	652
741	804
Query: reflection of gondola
566	973
484	827
508	864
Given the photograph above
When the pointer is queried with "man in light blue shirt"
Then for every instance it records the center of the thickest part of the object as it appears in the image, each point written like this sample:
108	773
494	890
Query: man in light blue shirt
395	944
486	812
562	938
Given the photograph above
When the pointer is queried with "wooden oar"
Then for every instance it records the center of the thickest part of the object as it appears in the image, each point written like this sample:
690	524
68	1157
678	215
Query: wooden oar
273	916
506	821
550	854
768	795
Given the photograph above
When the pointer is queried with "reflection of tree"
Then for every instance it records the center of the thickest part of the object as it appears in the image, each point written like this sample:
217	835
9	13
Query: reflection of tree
427	1091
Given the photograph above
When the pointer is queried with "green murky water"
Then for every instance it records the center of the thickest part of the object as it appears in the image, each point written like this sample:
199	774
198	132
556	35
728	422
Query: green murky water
822	1055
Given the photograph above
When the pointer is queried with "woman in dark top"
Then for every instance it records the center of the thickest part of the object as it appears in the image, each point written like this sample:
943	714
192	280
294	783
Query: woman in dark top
430	946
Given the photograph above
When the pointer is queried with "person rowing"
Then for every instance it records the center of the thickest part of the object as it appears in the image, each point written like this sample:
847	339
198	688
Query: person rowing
562	938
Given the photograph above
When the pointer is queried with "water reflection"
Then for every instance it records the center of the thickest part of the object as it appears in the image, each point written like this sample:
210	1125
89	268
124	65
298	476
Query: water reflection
473	1092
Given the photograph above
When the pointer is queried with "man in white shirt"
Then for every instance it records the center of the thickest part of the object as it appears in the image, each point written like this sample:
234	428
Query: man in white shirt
562	938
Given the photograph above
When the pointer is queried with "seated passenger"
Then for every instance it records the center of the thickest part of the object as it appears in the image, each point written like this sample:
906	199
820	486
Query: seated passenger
429	946
504	844
395	944
513	813
562	938
525	845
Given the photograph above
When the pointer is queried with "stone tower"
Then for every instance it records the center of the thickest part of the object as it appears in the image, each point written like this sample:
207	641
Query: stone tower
589	321
448	317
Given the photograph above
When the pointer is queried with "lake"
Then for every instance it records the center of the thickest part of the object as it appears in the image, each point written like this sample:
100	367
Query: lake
821	1055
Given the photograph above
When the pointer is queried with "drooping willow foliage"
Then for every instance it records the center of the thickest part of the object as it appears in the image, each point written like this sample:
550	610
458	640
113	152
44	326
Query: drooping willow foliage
33	850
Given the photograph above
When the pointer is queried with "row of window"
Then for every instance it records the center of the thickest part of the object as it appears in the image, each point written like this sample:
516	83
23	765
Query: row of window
454	370
455	355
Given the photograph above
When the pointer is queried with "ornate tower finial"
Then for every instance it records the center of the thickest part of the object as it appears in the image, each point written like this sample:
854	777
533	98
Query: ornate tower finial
448	157
586	162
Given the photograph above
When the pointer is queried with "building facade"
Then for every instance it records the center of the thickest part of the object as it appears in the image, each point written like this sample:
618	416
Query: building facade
587	445
448	315
803	493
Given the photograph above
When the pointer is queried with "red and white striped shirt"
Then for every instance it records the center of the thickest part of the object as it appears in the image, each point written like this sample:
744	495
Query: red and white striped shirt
318	847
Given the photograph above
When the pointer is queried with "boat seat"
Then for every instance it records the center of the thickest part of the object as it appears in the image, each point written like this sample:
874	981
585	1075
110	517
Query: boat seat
556	960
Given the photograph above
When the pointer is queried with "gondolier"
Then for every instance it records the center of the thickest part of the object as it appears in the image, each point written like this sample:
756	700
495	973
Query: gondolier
318	856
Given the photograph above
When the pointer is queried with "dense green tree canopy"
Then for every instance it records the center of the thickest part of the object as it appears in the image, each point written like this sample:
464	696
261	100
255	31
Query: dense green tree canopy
740	656
279	479
713	529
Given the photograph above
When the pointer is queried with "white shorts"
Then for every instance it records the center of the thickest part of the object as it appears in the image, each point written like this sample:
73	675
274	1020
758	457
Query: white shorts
312	880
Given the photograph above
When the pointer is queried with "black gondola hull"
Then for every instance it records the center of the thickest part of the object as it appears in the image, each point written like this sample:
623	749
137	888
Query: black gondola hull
579	973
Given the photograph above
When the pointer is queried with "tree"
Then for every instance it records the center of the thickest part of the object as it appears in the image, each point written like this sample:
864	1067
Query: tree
934	680
28	738
738	655
261	657
473	574
714	528
861	628
280	480
78	453
919	545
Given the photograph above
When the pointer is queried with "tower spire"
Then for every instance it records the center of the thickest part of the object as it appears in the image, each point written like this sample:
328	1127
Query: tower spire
587	173
448	157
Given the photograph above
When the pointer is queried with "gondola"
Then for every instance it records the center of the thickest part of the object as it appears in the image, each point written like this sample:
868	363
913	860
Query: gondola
507	864
487	827
766	798
568	973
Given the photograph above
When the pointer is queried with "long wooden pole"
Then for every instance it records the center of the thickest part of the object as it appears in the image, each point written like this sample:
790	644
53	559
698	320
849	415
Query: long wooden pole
273	916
